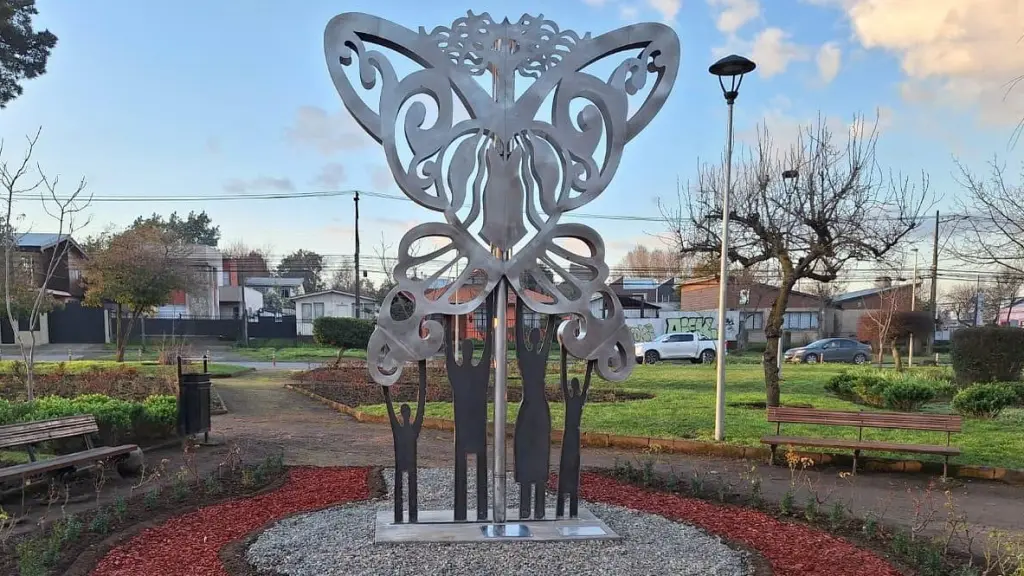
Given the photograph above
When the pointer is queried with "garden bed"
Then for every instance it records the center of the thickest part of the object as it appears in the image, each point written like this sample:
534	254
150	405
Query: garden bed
360	394
73	544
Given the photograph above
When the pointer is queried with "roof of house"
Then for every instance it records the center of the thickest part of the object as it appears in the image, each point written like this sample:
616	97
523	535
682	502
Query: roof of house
322	292
628	301
868	292
273	281
44	240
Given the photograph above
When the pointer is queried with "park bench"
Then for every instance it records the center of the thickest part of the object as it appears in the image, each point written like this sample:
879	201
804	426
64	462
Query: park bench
861	420
29	434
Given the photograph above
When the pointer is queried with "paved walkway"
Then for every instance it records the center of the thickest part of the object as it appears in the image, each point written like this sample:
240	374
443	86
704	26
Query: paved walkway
266	416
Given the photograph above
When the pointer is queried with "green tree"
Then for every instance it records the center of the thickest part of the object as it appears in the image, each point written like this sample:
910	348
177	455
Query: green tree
304	264
193	229
23	51
138	270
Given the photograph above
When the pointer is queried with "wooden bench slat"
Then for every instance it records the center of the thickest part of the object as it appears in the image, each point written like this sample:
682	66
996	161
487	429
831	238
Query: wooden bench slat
890	420
65	461
44	430
854	444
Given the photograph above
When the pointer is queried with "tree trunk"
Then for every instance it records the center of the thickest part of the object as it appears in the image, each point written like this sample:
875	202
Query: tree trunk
119	336
897	359
772	332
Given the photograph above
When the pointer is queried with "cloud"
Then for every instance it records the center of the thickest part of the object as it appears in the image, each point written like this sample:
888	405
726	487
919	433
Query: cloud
829	59
963	52
771	49
628	12
263	183
331	175
785	127
733	14
595	3
327	133
668	9
381	178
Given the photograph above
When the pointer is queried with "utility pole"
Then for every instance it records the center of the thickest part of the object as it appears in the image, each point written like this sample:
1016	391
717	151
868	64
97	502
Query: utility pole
357	254
913	307
239	266
935	283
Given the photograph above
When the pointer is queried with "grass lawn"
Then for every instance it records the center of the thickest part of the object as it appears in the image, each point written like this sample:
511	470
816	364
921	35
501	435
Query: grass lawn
297	353
683	407
147	368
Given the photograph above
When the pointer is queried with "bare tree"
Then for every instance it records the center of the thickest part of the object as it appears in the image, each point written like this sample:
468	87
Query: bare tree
877	325
840	208
825	292
994	225
644	262
959	300
26	280
1001	292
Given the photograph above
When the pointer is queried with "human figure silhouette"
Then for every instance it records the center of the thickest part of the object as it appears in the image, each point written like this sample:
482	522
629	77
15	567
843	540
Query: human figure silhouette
406	434
569	463
469	396
532	442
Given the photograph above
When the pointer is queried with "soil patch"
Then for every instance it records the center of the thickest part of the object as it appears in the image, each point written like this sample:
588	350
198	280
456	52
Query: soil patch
361	394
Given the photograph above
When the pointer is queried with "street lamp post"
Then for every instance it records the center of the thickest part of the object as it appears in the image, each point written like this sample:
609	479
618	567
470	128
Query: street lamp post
794	177
734	68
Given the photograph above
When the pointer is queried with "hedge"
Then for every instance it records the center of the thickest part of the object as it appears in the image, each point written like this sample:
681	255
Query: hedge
987	354
343	332
119	421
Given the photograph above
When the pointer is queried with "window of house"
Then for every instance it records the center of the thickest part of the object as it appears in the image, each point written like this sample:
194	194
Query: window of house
75	274
286	293
754	321
307	312
225	278
318	310
800	321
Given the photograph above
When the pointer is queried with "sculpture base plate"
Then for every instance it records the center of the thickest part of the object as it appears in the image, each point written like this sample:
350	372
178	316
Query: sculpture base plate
438	526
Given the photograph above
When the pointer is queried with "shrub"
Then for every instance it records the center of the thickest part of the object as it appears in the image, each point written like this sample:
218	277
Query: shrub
841	384
907	396
984	400
342	332
988	354
870	388
119	421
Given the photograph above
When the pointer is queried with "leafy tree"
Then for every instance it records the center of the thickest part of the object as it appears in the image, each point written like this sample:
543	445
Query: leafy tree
138	270
23	51
193	229
840	209
304	264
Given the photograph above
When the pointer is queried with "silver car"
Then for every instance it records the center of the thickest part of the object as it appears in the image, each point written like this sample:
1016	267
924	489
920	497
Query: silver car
830	350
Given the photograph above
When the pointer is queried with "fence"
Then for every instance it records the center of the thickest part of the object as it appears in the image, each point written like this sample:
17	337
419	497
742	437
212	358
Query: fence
272	327
227	329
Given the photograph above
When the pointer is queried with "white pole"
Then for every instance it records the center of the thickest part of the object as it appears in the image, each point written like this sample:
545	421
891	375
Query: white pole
913	306
723	293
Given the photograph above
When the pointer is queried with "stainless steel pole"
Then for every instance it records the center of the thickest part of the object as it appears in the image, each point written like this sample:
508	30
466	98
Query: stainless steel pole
500	404
913	307
723	293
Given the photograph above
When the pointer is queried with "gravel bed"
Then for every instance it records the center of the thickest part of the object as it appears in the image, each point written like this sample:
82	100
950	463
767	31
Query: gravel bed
339	542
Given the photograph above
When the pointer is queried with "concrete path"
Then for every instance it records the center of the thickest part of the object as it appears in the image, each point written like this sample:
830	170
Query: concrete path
266	416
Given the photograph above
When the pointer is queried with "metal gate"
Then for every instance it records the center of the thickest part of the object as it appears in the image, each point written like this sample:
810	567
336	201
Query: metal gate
6	334
76	324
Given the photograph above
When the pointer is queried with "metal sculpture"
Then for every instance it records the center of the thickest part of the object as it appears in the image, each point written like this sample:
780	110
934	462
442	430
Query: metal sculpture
569	463
503	178
406	434
469	398
532	442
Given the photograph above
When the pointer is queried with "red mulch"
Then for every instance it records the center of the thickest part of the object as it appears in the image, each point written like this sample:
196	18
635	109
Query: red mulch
791	549
189	544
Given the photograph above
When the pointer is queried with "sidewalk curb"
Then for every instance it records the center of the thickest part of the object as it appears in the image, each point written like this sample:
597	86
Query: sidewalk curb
652	446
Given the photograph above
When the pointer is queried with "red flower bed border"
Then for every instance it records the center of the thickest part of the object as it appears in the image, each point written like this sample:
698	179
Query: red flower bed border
791	549
189	544
197	538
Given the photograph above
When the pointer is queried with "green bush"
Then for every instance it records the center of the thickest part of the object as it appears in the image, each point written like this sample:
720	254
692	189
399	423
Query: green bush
342	332
988	354
841	384
907	396
119	421
870	388
984	400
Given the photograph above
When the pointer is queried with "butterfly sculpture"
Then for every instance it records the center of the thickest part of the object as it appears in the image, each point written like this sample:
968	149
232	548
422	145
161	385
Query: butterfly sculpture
510	171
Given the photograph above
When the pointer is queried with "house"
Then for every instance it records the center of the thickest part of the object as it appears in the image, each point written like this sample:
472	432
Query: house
331	304
632	307
202	298
474	324
38	249
285	288
847	309
660	292
753	301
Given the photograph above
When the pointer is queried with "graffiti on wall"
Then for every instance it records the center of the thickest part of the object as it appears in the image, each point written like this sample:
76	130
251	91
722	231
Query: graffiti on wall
703	323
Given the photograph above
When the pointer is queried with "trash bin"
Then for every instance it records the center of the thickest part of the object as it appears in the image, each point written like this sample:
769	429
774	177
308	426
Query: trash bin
193	404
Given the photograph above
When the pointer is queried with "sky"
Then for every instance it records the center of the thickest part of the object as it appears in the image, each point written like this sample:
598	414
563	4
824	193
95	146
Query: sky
204	100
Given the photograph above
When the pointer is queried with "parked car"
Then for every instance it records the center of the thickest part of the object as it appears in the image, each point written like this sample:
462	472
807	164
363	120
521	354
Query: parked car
830	350
677	346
